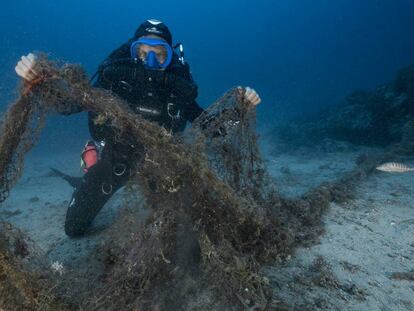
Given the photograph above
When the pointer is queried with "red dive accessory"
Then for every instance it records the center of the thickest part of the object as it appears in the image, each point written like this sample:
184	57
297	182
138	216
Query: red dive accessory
30	84
89	156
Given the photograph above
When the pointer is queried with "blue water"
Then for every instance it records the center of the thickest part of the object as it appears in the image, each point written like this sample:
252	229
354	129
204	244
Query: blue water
299	55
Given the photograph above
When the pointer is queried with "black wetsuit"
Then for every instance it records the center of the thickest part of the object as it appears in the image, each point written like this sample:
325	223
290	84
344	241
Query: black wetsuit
166	97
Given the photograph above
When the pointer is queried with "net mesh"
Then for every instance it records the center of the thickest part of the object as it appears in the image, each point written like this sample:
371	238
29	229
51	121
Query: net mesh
216	219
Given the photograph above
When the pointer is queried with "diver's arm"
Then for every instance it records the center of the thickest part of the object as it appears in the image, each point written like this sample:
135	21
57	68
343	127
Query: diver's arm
187	91
25	68
193	111
221	122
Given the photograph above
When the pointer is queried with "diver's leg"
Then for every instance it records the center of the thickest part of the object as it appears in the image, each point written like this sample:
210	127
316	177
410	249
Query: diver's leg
97	186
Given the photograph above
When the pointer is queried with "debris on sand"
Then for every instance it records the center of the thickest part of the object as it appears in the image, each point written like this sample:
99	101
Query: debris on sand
402	276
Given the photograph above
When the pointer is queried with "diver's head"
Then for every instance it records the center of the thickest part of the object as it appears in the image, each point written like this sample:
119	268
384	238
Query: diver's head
152	45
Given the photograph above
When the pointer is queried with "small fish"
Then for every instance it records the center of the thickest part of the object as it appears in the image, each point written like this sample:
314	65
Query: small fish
394	167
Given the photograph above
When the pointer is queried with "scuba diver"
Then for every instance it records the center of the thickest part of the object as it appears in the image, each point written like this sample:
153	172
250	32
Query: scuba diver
156	82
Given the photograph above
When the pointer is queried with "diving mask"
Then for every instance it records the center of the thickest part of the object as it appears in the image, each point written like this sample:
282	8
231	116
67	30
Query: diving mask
154	53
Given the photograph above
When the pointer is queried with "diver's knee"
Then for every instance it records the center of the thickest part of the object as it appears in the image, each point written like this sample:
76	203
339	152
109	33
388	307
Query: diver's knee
74	231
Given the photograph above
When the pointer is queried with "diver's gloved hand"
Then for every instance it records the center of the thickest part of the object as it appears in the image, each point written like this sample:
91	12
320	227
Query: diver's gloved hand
25	68
251	96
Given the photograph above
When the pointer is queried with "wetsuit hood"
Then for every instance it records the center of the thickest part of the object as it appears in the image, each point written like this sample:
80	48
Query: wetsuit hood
154	27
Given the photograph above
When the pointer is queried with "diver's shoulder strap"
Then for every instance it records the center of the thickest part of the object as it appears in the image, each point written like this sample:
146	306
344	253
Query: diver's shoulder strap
120	54
108	63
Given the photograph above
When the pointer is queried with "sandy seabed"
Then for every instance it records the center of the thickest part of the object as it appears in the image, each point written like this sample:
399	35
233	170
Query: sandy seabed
364	261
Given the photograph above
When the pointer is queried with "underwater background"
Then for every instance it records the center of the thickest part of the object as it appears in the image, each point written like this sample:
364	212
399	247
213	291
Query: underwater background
320	217
299	55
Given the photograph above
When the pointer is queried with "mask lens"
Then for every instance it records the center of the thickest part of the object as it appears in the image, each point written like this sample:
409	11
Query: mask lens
154	53
160	52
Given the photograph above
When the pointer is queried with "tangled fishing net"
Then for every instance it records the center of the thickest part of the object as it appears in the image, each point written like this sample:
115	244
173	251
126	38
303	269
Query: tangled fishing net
216	219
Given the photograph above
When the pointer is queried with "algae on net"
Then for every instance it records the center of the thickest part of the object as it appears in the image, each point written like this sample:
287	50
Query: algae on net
216	218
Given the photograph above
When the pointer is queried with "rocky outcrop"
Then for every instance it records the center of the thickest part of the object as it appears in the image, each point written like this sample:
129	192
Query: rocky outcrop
377	117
